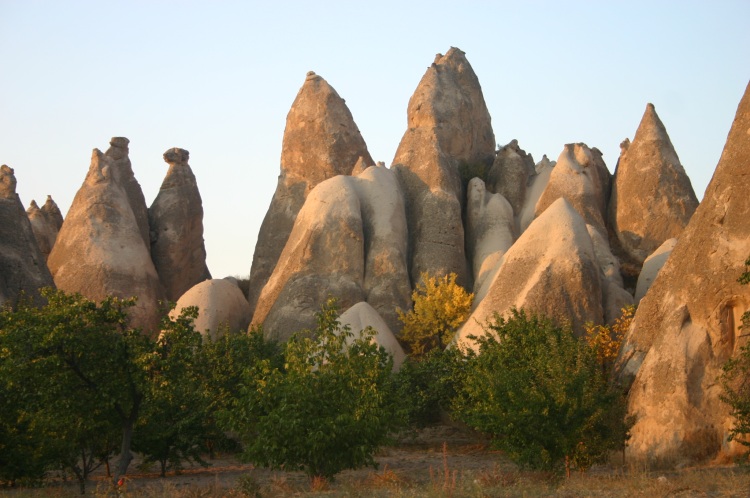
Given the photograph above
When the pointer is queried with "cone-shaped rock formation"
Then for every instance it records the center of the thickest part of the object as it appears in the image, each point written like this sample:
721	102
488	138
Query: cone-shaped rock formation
652	198
510	173
320	141
123	169
46	222
176	222
686	326
221	306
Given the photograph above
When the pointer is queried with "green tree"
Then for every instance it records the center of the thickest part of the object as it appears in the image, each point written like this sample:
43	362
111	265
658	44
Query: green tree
327	410
540	393
440	307
735	379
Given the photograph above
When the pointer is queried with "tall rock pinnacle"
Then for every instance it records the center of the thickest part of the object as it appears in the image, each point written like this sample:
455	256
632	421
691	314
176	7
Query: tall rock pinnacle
46	222
321	141
687	324
448	124
176	221
652	198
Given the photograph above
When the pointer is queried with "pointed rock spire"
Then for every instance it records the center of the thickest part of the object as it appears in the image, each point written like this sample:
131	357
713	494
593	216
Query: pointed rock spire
52	212
687	324
176	221
448	124
510	173
320	141
44	223
652	198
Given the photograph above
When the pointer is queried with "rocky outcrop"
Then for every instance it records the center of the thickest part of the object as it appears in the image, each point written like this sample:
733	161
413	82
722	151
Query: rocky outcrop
100	249
221	307
45	222
22	266
489	233
614	295
581	177
652	198
686	326
448	124
551	269
510	174
321	141
123	170
176	223
348	242
651	267
537	186
362	315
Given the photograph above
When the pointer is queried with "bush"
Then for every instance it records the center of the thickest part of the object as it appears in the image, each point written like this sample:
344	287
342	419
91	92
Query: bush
540	393
328	410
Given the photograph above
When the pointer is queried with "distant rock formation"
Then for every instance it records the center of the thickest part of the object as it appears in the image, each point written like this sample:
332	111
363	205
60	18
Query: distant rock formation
362	315
221	306
551	269
348	242
176	223
614	295
46	222
100	249
448	124
22	266
538	184
118	152
686	326
651	267
652	198
510	174
321	141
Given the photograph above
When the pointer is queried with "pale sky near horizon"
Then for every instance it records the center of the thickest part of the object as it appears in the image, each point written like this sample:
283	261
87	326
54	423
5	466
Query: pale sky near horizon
218	78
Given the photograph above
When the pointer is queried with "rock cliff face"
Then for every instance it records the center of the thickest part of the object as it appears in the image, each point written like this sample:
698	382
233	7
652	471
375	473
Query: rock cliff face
123	171
652	198
221	306
321	141
176	224
22	266
100	249
686	326
448	124
46	222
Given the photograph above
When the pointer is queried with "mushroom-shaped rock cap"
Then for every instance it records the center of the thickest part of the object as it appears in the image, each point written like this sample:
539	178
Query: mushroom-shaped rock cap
176	155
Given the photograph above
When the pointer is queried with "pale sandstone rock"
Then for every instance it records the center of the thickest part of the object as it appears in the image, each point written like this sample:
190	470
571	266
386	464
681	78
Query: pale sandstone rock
652	198
538	183
100	250
489	233
448	124
176	222
44	226
362	315
321	141
614	295
551	270
221	307
651	267
581	177
686	326
122	168
22	264
510	174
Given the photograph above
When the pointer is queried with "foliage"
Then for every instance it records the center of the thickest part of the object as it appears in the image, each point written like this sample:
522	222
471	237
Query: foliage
540	393
440	307
606	340
467	171
735	379
328	410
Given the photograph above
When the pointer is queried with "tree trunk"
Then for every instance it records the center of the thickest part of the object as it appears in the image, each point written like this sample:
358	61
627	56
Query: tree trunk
125	455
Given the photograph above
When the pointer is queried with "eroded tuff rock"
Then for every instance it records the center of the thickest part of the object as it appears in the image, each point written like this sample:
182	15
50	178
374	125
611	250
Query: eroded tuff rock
123	169
489	233
349	242
22	266
551	269
652	198
362	315
45	222
686	326
581	177
538	184
176	221
510	174
614	295
448	124
651	267
221	307
100	249
320	141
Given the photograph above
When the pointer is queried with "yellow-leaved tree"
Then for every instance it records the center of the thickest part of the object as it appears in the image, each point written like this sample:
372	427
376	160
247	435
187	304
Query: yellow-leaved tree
607	339
440	307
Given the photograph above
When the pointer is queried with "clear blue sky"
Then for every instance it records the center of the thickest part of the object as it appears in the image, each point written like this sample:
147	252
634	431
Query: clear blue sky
218	78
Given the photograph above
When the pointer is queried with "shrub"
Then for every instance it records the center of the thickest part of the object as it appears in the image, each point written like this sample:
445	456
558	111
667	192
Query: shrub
606	340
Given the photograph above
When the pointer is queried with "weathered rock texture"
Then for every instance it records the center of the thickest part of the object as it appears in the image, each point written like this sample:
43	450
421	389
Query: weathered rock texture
221	307
349	242
176	222
538	184
510	173
321	141
652	198
122	168
100	249
614	295
46	222
686	326
22	266
362	315
551	269
651	267
448	124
